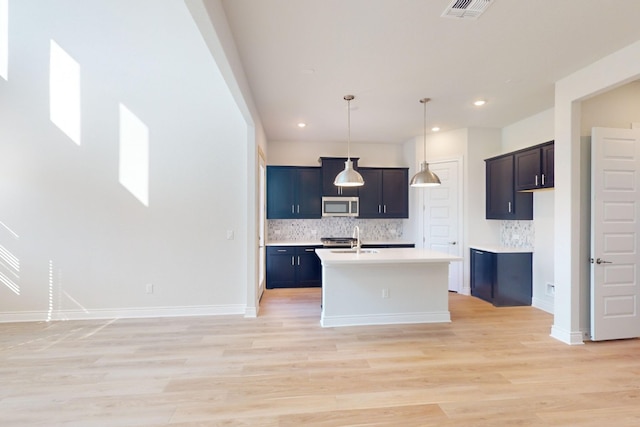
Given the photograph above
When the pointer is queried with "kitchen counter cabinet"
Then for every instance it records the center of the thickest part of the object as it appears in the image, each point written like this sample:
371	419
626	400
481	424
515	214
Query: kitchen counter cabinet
385	193
501	278
294	192
293	267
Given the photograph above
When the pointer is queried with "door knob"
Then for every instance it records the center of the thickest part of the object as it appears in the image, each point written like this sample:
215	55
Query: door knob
453	243
600	261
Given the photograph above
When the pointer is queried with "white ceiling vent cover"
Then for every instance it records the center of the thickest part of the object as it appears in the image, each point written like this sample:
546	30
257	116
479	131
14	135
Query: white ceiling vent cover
467	9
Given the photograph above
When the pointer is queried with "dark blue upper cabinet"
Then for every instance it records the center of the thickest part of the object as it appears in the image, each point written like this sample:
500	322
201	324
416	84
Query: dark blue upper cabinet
502	201
534	167
385	193
294	192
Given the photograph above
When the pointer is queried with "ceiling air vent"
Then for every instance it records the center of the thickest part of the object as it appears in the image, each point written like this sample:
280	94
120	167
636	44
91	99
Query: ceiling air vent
467	9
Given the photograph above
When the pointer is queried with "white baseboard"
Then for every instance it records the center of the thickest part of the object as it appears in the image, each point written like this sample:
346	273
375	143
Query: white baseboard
385	319
123	313
543	304
567	337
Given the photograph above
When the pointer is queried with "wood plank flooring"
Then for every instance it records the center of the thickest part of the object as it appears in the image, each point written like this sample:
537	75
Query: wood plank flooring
489	367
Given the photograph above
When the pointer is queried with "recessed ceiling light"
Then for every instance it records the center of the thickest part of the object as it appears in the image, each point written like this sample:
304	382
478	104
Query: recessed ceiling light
479	102
435	128
301	125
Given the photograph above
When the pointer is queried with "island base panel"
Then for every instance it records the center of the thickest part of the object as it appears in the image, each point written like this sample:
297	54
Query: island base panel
370	294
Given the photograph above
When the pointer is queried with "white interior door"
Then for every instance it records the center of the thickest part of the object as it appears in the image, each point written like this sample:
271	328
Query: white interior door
615	193
442	225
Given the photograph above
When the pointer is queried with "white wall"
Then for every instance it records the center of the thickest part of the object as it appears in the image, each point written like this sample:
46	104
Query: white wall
617	108
86	246
531	131
292	153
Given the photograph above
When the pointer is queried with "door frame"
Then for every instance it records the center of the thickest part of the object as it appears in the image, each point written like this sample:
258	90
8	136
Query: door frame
262	222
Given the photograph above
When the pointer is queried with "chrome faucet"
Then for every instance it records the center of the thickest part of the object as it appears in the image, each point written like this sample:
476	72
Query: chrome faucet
356	235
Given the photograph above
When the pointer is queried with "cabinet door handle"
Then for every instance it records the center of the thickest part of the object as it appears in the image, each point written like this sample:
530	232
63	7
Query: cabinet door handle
385	208
292	209
309	250
379	209
298	209
509	207
536	180
543	180
282	250
298	259
479	253
293	261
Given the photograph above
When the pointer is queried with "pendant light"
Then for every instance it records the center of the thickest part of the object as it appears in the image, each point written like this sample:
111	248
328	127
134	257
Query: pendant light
425	178
349	177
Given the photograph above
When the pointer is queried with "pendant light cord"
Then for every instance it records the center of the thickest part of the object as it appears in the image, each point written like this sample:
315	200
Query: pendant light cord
424	102
348	98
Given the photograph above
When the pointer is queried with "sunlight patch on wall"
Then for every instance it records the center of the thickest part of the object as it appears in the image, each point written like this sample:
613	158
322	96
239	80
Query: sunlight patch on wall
9	262
134	155
64	92
4	39
51	299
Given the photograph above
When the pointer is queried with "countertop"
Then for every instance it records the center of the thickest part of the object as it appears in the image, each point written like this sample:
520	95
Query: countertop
497	249
384	256
318	243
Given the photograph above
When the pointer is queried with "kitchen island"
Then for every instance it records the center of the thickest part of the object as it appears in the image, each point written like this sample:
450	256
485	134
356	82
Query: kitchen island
384	286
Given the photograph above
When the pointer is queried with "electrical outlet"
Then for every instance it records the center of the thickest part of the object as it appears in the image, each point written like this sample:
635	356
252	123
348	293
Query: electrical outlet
385	293
149	288
550	289
230	235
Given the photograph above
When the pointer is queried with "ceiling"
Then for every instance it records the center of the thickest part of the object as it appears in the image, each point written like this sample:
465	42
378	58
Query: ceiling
302	56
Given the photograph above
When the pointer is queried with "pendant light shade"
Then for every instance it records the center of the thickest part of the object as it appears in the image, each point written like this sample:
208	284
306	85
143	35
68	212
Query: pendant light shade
349	177
425	178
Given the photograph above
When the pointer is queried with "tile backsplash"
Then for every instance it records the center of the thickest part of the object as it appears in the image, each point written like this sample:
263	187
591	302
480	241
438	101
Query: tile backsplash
314	229
517	234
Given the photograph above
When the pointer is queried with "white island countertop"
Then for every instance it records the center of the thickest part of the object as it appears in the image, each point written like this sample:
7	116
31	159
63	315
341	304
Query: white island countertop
497	249
319	243
383	256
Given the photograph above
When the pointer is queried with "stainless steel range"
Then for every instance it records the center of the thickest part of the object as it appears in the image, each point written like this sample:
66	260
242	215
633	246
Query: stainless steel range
338	242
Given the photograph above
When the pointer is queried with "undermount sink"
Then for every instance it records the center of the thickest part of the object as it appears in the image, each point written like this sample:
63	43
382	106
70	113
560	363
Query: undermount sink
354	251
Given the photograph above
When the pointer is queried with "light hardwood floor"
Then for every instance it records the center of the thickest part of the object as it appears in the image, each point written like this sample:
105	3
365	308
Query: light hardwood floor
489	367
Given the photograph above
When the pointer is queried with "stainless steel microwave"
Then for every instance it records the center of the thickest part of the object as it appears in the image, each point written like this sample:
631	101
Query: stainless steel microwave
340	206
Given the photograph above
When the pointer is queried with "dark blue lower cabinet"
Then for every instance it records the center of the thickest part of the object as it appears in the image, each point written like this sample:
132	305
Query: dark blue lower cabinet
503	279
293	267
